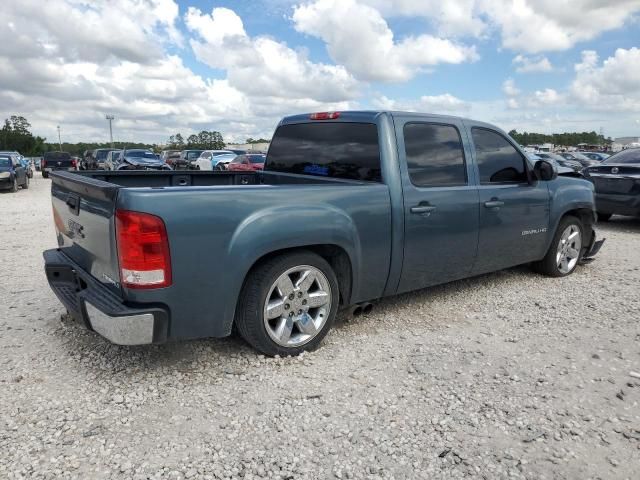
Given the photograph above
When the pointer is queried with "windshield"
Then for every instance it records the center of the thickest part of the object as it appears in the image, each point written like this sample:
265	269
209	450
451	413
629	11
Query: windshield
5	162
102	154
141	154
257	158
339	150
53	156
579	156
625	156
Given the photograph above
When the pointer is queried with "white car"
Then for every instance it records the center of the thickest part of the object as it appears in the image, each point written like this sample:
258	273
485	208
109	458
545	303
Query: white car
209	158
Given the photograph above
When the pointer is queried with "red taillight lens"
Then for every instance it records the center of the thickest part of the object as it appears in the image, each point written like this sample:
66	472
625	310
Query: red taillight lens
324	115
73	163
143	250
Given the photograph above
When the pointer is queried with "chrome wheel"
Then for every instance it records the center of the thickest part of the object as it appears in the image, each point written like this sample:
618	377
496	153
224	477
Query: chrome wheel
297	306
569	247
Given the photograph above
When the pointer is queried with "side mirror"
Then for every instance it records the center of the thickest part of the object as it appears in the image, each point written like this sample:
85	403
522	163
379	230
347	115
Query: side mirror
545	171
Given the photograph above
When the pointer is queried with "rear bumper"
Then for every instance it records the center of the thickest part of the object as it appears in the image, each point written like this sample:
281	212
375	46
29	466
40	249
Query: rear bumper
622	204
99	309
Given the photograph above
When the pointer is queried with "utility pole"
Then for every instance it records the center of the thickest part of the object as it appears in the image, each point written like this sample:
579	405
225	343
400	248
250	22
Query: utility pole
110	118
59	141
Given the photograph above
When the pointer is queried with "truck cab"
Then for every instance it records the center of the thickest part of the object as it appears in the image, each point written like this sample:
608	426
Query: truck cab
350	207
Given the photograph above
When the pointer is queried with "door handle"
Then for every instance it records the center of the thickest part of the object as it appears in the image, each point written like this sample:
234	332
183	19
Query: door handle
494	204
423	209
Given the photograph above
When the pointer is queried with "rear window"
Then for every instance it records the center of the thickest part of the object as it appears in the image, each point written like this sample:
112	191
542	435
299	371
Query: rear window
256	158
57	156
625	156
337	150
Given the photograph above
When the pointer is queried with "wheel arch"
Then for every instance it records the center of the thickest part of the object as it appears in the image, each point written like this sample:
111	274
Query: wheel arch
587	217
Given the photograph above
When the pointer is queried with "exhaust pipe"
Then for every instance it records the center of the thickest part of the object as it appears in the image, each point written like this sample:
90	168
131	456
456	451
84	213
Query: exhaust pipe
363	308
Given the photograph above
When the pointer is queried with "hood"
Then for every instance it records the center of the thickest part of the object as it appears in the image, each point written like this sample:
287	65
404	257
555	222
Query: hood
143	161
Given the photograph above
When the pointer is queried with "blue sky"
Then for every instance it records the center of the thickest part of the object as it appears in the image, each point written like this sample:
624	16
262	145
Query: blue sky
162	66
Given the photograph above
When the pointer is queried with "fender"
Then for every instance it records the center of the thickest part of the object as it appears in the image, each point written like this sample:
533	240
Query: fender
283	227
567	196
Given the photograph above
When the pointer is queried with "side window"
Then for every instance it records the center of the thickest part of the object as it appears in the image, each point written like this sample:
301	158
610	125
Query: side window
435	157
498	160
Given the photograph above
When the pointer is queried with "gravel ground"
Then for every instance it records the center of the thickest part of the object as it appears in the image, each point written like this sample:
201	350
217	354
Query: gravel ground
509	375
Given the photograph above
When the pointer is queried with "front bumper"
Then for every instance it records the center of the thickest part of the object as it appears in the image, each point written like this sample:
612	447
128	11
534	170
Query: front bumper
99	308
6	183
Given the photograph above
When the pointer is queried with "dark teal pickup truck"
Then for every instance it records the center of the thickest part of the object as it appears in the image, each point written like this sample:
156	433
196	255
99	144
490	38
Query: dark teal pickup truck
351	207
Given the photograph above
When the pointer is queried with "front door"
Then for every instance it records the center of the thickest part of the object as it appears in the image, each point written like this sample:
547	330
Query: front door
440	202
514	209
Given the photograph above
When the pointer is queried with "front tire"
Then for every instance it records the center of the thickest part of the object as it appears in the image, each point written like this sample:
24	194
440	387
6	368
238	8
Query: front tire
14	185
288	304
565	250
45	174
25	186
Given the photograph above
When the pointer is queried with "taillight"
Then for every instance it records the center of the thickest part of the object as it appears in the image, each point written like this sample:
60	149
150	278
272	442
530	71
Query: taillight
143	250
73	163
324	115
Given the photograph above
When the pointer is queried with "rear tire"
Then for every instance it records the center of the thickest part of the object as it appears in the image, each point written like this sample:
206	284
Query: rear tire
604	217
565	250
287	331
45	174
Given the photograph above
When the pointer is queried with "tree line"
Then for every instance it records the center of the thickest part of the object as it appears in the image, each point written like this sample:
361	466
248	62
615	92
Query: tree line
572	138
204	140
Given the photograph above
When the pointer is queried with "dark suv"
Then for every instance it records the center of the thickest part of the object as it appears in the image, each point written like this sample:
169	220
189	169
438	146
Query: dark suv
56	161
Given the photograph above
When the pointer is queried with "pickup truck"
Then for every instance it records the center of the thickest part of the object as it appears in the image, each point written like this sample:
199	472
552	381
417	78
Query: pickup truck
350	207
56	161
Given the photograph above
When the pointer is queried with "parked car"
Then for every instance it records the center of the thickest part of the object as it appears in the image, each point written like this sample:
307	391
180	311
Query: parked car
111	162
220	162
579	157
169	156
351	207
617	184
248	162
208	159
12	172
598	156
53	161
98	158
26	164
183	162
560	160
139	159
36	163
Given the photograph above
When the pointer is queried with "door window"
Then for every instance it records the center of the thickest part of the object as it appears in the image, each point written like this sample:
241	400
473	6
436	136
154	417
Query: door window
435	157
498	160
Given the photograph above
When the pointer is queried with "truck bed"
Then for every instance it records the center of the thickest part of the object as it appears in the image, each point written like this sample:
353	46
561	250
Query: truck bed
218	225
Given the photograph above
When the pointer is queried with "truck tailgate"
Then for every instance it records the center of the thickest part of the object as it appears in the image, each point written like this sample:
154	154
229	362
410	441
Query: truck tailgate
84	212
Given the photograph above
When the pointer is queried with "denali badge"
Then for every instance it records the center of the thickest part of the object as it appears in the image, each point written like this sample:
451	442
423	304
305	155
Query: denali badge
533	232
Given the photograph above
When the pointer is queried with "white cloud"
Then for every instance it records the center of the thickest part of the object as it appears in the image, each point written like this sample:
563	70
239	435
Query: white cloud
535	26
548	96
445	104
261	66
530	26
613	85
450	18
532	64
358	37
509	88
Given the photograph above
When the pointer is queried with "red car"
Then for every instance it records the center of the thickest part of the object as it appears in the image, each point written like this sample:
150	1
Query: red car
248	162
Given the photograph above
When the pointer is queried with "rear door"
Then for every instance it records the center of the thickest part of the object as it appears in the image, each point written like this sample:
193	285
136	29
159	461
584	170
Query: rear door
440	202
514	211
